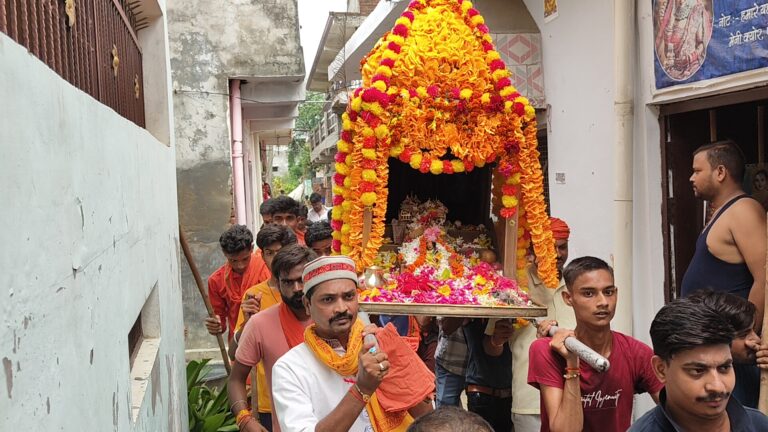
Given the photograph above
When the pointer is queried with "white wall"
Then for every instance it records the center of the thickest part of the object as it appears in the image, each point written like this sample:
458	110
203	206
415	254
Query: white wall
577	49
88	228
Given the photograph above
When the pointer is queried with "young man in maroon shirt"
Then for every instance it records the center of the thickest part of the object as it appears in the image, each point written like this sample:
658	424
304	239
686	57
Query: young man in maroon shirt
575	397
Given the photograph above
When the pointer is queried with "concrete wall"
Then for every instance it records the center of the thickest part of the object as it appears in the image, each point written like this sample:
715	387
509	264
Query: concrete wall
209	45
580	119
89	234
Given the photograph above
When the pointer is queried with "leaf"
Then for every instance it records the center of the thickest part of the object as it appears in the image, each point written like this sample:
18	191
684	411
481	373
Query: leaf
213	423
228	428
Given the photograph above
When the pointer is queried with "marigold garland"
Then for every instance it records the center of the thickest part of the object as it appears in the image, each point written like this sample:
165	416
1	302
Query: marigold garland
437	96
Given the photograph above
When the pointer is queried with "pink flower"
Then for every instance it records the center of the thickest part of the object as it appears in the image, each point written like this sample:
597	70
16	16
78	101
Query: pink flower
394	47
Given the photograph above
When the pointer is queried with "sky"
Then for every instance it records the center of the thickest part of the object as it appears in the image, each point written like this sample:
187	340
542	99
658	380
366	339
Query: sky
313	15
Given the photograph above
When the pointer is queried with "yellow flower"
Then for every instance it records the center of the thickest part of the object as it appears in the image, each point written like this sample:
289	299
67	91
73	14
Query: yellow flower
404	21
347	182
367	132
523	100
508	105
466	5
405	94
396	151
477	20
506	91
369	175
389	54
458	166
444	290
336	235
421	91
509	201
380	86
367	198
500	73
346	205
485	98
356	103
436	166
343	146
384	70
396	39
348	160
530	112
493	55
345	250
346	124
345	229
465	93
342	169
368	154
515	179
381	131
416	161
336	212
479	280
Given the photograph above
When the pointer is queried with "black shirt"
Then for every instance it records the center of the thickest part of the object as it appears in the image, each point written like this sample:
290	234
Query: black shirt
482	369
742	419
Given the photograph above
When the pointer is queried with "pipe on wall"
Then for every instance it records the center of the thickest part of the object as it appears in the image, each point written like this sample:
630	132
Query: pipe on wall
238	178
623	48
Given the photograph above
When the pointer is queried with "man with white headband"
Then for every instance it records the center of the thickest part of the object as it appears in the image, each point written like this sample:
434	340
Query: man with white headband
335	381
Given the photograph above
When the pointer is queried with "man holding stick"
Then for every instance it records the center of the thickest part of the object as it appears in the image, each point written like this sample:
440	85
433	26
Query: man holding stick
575	397
268	335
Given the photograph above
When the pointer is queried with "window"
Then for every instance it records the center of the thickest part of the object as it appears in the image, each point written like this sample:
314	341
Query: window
143	345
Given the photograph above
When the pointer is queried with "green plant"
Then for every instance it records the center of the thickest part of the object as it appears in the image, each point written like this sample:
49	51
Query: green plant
208	408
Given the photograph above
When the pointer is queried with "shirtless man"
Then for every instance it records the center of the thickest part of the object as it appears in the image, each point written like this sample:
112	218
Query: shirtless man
730	252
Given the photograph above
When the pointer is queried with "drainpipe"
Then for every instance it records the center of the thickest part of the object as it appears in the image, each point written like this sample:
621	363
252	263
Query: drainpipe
238	182
623	48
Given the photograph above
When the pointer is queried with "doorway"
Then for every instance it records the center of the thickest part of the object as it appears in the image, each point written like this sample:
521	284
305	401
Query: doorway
685	126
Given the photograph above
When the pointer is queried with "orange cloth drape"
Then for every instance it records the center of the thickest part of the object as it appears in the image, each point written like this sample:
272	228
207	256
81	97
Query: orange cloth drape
407	383
292	327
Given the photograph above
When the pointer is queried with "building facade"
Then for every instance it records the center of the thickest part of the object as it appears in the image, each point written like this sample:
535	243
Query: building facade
238	76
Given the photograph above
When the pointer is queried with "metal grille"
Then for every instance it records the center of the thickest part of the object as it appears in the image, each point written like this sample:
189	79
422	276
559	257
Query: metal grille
94	47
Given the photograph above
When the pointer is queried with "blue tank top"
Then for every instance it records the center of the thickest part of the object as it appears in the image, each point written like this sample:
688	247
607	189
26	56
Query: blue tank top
709	271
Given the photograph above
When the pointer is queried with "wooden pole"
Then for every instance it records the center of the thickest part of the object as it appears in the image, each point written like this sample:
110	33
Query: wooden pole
200	287
762	403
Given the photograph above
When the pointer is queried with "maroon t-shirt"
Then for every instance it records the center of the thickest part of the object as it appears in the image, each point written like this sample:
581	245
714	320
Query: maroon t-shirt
606	397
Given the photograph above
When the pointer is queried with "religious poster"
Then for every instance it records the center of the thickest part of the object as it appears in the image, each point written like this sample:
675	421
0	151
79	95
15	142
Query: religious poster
756	182
550	10
696	40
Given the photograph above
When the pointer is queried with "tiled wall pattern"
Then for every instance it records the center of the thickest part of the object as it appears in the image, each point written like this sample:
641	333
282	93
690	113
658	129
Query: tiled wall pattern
522	54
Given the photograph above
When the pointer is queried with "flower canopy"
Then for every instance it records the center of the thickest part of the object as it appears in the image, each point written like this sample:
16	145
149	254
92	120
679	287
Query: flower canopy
437	96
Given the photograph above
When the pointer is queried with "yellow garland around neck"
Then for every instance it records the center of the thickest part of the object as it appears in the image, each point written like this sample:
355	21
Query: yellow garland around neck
343	365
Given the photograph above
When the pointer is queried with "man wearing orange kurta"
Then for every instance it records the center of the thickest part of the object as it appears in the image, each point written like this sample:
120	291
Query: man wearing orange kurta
226	285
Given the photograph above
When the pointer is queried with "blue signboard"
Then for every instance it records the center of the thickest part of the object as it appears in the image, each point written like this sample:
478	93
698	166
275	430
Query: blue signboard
696	40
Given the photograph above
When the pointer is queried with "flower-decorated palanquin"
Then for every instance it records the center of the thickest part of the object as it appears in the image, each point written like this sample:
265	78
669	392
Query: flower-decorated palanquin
437	96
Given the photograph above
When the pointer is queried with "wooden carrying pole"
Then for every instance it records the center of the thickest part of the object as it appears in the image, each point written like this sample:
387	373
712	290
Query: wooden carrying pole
762	403
199	282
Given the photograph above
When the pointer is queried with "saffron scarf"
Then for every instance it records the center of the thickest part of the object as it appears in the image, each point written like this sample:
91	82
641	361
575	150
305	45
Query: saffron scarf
347	365
250	278
292	327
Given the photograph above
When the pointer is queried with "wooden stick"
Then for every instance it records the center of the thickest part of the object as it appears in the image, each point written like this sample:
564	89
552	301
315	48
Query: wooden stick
762	403
367	224
254	392
199	282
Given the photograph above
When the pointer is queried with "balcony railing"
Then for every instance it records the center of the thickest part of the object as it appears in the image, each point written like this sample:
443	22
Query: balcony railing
328	125
90	43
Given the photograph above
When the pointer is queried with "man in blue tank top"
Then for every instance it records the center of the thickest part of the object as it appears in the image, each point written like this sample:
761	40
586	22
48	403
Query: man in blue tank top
730	252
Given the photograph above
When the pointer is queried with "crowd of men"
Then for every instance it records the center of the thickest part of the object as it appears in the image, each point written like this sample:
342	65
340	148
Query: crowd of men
291	312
